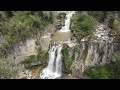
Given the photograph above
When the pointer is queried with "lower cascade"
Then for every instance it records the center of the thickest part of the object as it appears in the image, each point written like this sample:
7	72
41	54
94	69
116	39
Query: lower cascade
53	70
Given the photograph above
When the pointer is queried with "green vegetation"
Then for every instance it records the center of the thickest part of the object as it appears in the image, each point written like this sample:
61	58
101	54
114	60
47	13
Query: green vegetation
83	24
117	58
116	26
30	59
98	72
22	25
107	17
6	70
35	60
17	26
42	56
76	49
108	71
68	60
99	15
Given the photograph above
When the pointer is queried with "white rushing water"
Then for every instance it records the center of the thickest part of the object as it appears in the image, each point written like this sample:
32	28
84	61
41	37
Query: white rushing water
54	68
67	22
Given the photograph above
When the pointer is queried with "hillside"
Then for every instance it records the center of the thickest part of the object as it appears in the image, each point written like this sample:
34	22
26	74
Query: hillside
59	44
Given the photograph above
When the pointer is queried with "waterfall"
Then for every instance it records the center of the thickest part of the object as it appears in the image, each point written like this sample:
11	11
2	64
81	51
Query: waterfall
67	22
53	71
58	68
54	68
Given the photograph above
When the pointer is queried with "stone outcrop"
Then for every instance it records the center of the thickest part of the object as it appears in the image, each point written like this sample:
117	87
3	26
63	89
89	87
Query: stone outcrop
45	41
93	51
22	51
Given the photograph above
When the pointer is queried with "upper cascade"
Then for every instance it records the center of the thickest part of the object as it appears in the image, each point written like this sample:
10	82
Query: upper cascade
67	21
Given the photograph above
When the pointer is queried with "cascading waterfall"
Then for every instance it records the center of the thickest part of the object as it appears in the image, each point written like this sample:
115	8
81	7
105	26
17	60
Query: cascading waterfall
52	71
67	22
54	68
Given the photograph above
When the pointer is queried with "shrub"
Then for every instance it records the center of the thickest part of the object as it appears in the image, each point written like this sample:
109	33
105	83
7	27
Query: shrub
34	60
83	24
99	15
42	56
97	73
22	25
29	61
67	59
108	71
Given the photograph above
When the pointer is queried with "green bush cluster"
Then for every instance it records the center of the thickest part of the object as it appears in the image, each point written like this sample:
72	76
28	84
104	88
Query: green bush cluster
22	25
107	17
67	59
42	56
31	60
83	24
99	15
108	71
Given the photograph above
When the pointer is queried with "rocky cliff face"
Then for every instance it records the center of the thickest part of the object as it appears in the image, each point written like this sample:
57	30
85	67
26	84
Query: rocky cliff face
30	46
23	50
94	50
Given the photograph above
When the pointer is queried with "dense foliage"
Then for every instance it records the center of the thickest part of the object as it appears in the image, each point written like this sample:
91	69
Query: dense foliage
16	26
68	60
42	56
107	17
22	25
109	71
83	24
